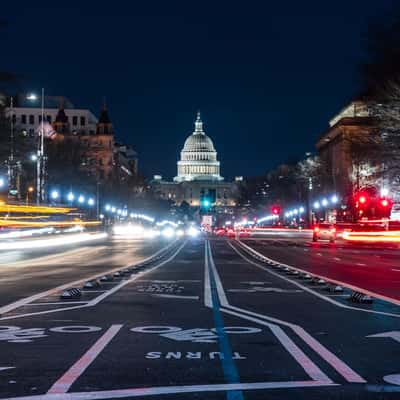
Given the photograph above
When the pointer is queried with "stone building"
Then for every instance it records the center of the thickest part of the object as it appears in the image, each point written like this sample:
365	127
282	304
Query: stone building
198	175
353	124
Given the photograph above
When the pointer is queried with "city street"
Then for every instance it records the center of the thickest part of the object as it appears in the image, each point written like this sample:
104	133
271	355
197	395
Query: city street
202	319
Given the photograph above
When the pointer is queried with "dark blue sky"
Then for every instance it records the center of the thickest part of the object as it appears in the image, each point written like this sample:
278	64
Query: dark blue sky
266	75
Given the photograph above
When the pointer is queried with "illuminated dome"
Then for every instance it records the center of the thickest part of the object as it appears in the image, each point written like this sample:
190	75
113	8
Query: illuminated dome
198	157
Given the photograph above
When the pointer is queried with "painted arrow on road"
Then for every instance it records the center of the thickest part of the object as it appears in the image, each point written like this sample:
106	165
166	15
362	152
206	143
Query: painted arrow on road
395	335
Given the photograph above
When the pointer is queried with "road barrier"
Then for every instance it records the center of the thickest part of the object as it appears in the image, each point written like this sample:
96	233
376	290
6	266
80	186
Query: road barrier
93	284
71	293
358	297
331	285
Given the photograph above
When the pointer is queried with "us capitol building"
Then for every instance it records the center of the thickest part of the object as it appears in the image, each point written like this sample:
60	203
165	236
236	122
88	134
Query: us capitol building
198	174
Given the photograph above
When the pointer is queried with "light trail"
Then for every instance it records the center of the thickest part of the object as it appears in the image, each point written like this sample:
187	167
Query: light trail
52	242
382	236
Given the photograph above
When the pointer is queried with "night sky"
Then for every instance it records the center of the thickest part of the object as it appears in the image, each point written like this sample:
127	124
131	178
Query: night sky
266	75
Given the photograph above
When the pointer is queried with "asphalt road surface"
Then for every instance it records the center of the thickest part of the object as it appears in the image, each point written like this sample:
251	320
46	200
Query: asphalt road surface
203	320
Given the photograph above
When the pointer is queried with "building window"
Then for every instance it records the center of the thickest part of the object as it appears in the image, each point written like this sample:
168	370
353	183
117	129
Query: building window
31	119
49	119
74	120
83	121
40	119
23	119
14	118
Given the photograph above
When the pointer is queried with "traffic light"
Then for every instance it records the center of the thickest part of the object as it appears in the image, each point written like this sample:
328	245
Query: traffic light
276	210
206	203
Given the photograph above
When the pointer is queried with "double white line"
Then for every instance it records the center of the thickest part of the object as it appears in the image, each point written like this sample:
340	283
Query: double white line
306	363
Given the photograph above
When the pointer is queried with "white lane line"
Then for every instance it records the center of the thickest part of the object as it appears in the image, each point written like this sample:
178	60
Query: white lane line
160	390
207	281
319	254
57	303
100	298
305	362
337	258
63	384
329	357
220	290
93	291
361	264
12	306
326	278
395	269
176	296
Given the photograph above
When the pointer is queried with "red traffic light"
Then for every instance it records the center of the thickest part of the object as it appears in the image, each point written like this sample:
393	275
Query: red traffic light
362	199
276	210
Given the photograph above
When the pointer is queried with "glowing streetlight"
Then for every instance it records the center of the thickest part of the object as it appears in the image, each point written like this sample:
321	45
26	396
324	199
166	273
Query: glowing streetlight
301	209
107	207
324	202
54	194
34	157
334	199
70	196
316	205
91	202
81	198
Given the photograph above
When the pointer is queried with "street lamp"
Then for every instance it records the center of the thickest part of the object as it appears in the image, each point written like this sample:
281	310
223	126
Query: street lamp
70	196
40	167
30	190
91	202
2	182
81	199
107	207
54	194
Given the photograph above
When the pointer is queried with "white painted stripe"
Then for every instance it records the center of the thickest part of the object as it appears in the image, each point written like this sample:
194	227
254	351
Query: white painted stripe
326	278
160	390
337	258
207	282
305	362
57	303
362	264
176	296
100	298
19	303
220	290
63	384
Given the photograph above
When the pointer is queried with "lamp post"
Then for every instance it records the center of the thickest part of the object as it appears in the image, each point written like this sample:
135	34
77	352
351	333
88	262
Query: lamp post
30	190
40	166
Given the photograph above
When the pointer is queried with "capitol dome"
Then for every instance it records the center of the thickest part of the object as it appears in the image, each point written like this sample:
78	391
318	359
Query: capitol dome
198	157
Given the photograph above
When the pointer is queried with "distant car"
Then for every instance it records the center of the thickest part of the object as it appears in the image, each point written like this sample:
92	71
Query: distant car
324	231
220	231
